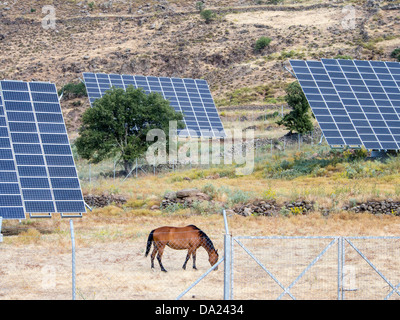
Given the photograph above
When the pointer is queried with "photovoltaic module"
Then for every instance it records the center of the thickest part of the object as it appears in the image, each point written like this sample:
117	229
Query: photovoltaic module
356	102
191	97
37	169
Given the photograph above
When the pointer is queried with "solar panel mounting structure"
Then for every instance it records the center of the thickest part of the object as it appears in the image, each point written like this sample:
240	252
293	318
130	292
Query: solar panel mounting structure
37	170
356	102
191	97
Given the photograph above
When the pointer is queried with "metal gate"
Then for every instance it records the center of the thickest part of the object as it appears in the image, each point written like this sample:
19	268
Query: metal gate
276	267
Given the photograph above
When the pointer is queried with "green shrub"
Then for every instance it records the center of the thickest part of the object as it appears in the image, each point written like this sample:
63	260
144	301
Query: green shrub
262	43
73	90
396	54
207	15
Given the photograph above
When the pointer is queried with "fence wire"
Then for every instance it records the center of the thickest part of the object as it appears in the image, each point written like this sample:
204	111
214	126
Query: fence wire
275	267
114	270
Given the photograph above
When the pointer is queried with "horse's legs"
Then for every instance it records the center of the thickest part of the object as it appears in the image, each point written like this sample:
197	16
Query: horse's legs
194	259
153	254
159	256
187	259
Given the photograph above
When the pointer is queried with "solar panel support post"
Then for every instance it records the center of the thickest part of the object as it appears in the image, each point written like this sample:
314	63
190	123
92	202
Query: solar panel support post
71	224
320	140
1	222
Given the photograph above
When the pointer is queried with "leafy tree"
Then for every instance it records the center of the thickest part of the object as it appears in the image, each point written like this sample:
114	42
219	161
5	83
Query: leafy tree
118	123
299	118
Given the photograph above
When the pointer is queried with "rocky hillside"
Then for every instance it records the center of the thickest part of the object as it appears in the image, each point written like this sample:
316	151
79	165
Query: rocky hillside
170	38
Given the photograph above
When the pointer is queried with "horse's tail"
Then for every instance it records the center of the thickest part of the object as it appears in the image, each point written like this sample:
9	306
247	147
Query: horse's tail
149	242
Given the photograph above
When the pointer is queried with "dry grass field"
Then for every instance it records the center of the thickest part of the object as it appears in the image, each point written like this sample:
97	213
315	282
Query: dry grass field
110	246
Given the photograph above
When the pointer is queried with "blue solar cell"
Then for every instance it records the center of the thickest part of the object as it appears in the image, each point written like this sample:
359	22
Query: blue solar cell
21	116
31	171
42	87
67	195
6	154
22	127
70	206
47	107
41	183
10	200
37	194
8	177
51	128
54	138
18	106
12	213
56	149
14	86
62	183
27	149
7	165
62	172
39	207
35	160
16	96
60	160
9	188
44	97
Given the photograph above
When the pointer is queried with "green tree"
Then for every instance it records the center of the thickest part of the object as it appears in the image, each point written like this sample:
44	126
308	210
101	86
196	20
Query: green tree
298	119
118	124
207	15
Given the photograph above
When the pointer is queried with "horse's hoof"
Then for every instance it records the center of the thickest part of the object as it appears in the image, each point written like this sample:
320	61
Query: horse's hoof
164	270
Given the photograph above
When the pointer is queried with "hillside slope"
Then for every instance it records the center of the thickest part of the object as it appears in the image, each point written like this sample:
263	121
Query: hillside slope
169	38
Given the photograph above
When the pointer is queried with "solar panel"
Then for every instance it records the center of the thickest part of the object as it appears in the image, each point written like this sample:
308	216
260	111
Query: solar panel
356	102
191	97
37	169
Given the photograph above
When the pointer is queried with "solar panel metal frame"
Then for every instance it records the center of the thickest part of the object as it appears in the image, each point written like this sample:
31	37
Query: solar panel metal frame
96	89
348	77
51	151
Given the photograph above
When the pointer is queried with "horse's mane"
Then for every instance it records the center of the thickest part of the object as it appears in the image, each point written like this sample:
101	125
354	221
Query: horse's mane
203	235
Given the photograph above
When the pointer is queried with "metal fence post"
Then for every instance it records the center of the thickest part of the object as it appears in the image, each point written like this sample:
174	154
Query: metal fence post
227	267
227	260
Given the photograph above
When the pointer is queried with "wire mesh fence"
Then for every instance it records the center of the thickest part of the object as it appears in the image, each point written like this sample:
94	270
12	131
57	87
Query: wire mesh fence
285	268
104	270
261	268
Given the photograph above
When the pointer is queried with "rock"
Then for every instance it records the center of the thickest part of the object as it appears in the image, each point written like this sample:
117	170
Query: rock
247	212
170	195
186	193
100	201
155	207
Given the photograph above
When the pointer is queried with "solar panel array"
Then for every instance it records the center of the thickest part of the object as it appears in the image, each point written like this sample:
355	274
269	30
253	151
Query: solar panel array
37	169
191	97
356	102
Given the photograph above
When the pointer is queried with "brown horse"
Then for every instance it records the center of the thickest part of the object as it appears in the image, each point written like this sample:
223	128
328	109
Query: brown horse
189	237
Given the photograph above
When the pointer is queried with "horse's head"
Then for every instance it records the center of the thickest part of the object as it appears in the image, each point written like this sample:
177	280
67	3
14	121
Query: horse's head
213	257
